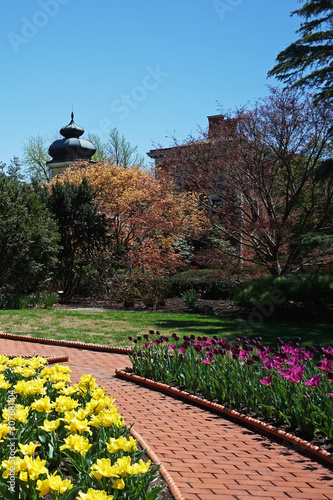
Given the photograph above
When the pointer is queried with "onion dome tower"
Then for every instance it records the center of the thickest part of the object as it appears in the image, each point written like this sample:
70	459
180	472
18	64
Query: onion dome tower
65	152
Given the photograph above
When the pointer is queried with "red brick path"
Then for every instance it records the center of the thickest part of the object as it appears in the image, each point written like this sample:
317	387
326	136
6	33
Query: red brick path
207	456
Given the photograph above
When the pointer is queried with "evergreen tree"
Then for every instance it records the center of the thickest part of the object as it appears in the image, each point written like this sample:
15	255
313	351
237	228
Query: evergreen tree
28	238
308	62
81	228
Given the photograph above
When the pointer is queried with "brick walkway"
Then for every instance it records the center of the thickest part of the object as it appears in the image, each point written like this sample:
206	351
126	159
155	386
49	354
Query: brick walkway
207	456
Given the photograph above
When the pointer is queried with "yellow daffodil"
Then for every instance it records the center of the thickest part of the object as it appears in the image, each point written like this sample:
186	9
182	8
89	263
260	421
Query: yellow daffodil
53	483
94	495
28	449
50	425
121	443
76	443
3	367
42	405
4	359
65	403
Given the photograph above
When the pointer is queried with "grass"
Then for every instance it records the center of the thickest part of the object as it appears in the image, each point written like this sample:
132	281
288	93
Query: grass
114	327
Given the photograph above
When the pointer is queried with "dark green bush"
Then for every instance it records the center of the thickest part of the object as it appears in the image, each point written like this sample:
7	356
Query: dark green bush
281	291
209	284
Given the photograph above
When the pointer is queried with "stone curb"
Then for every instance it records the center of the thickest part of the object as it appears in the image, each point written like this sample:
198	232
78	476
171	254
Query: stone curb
67	343
305	446
163	471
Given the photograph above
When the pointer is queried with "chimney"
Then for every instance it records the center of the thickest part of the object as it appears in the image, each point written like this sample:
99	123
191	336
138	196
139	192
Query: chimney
215	125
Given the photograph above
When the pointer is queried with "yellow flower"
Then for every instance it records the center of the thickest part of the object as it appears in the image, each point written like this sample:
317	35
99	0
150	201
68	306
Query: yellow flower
119	484
68	391
4	384
139	467
53	483
28	449
32	468
106	418
80	414
30	387
50	425
18	361
3	367
13	464
94	495
102	468
3	359
121	443
16	412
42	405
4	431
65	403
80	426
87	383
122	466
76	443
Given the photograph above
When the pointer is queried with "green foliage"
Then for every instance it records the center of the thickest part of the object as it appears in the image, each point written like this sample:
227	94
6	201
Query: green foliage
190	298
208	283
308	289
28	239
82	232
308	61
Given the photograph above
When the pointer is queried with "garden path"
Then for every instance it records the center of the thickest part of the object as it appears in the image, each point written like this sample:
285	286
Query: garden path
207	456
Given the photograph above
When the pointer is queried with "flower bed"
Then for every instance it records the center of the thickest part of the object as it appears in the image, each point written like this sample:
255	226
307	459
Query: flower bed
65	441
288	385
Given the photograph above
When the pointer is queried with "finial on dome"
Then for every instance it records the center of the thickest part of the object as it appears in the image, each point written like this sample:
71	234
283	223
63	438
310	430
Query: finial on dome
72	115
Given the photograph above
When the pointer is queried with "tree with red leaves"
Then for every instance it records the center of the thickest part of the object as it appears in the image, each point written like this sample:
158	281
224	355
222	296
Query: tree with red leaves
257	174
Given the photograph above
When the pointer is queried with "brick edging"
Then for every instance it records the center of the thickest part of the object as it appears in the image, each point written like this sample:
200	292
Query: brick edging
67	343
305	446
163	471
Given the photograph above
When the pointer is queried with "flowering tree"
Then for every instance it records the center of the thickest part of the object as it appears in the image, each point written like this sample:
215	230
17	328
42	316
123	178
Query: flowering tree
145	217
260	169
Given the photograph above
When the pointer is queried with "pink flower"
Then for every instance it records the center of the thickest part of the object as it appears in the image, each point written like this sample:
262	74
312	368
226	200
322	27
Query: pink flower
207	361
266	380
309	395
172	347
330	394
181	350
314	381
325	364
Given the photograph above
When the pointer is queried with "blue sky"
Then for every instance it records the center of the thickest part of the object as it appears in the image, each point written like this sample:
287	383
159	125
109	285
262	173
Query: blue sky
151	68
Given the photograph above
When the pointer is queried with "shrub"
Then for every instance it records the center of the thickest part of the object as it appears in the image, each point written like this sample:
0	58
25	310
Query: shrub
208	283
307	289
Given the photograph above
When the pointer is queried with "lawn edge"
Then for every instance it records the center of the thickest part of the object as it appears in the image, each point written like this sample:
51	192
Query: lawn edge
244	420
67	343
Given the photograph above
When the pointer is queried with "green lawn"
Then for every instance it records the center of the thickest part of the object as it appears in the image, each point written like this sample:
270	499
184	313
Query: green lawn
114	327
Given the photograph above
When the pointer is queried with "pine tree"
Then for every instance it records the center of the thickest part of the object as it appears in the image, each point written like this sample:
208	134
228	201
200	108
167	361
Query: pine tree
308	62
